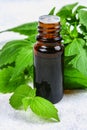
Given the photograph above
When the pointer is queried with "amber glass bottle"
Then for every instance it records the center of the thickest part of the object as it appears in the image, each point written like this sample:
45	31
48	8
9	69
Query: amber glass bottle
48	59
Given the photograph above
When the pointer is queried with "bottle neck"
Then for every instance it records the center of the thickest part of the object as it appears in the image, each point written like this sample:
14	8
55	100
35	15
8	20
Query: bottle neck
48	33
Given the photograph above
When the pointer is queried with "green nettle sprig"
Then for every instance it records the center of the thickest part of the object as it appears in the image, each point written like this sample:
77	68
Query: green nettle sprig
16	61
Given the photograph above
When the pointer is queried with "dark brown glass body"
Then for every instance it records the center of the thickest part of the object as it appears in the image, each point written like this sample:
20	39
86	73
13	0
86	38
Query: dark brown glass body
48	62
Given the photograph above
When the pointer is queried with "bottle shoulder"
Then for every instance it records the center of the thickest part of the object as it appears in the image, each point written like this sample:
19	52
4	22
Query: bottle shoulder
48	47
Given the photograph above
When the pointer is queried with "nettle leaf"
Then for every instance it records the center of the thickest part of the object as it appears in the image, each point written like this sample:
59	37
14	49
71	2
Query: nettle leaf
24	96
17	43
85	37
5	75
65	30
44	108
32	39
66	11
26	29
74	79
26	102
82	14
83	29
65	33
75	47
74	32
66	39
29	73
20	93
24	59
79	8
10	51
52	11
68	59
80	61
7	86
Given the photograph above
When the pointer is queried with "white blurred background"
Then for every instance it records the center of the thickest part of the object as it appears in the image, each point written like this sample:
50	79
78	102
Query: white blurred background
16	12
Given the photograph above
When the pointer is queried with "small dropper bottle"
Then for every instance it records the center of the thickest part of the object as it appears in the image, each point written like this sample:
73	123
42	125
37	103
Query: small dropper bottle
48	59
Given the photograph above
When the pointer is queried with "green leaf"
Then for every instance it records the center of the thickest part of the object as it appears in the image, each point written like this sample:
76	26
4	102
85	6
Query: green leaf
74	32
7	86
44	108
26	29
78	47
74	79
82	14
79	8
67	60
75	47
30	73
20	93
83	29
32	39
85	37
5	75
24	59
24	96
65	33
10	51
17	43
66	11
52	11
26	102
66	39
